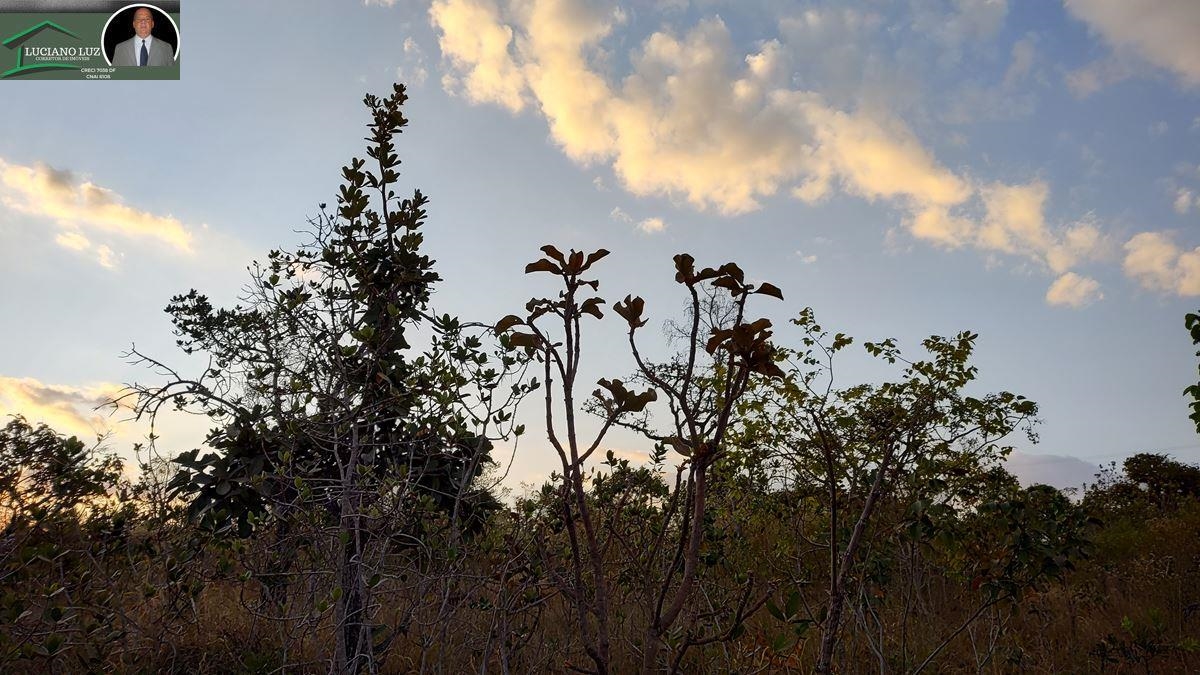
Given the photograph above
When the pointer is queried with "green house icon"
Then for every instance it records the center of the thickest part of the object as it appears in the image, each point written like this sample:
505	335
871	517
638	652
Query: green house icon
15	42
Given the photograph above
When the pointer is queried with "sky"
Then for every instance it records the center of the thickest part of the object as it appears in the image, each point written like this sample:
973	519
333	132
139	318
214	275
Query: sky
1027	170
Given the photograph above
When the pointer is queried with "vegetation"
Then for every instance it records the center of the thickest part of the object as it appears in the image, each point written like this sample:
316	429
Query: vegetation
341	517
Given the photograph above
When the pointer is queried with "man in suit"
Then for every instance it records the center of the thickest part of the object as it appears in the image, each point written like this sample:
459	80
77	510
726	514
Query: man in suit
143	49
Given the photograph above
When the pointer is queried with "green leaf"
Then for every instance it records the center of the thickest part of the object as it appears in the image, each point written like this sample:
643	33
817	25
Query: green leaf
792	607
775	611
782	643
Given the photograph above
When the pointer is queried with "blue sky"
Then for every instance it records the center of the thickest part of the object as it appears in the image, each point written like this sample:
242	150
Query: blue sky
1026	170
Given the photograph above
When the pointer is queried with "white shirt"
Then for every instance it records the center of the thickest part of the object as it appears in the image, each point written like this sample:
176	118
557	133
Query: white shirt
137	48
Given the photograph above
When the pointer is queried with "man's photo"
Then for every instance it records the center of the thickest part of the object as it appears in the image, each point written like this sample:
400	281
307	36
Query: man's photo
141	36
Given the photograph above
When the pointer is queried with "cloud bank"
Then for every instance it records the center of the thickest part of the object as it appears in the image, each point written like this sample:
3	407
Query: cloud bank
67	409
693	118
84	212
1162	32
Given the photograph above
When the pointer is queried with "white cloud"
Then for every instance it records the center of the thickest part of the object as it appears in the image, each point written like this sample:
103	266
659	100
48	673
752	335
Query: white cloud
1183	201
1163	32
72	240
619	215
1061	471
1073	290
838	47
956	22
807	259
79	206
1158	128
652	225
1154	261
1024	52
1093	77
412	71
107	257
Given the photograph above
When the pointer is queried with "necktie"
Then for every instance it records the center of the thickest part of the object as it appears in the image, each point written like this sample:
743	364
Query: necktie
145	56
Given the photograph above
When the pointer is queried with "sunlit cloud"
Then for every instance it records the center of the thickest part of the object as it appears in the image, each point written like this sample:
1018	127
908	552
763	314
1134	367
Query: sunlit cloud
1157	263
69	409
1016	224
1073	290
652	225
78	206
718	129
1162	32
731	127
73	241
476	42
107	257
635	457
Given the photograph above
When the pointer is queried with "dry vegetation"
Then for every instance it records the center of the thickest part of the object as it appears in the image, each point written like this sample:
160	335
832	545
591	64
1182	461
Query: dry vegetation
340	520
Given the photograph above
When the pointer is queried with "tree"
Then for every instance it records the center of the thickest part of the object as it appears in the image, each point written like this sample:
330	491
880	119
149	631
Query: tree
914	441
1149	484
45	476
1192	323
60	511
700	403
326	414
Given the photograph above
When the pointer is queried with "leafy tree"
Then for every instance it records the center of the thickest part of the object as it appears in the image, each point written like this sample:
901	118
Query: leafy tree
326	414
59	512
1192	323
45	477
867	446
1148	484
